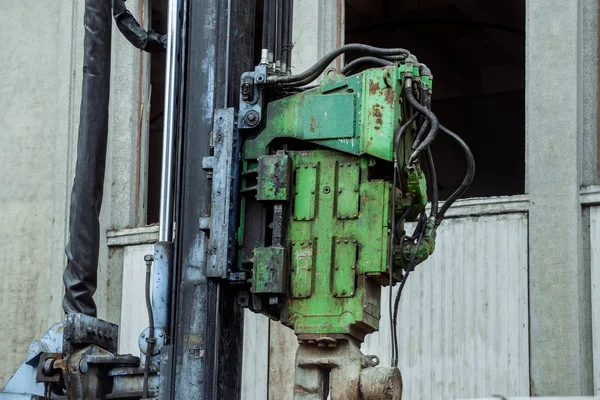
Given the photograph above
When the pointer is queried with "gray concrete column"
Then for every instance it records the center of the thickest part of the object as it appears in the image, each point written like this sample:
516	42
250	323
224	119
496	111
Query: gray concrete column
560	334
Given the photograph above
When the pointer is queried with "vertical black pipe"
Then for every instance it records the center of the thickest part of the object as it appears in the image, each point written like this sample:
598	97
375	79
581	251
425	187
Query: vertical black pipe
278	34
265	26
271	30
81	274
288	38
284	35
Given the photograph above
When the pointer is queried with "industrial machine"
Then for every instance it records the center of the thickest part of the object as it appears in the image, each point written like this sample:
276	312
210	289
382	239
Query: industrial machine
297	188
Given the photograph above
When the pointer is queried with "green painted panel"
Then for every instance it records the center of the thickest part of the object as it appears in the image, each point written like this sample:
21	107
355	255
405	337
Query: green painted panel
305	197
268	271
328	310
344	267
274	173
348	182
302	270
329	116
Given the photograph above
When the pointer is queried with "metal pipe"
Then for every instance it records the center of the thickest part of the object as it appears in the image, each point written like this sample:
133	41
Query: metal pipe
163	252
165	232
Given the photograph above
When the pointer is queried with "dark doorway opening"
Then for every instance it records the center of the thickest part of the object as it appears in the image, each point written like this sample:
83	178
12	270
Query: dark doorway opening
476	51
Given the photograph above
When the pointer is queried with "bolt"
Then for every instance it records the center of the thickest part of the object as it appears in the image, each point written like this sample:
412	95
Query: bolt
251	118
161	334
293	243
143	335
295	218
312	192
339	190
301	243
338	240
356	189
336	267
339	216
306	167
314	166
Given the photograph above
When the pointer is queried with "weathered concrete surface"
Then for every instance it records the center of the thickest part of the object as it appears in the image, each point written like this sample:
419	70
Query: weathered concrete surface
36	132
41	94
560	335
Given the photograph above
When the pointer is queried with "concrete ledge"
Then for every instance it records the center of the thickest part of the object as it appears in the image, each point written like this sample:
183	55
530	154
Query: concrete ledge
132	236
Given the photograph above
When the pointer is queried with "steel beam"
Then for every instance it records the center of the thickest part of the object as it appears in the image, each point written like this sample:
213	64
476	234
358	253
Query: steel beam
209	323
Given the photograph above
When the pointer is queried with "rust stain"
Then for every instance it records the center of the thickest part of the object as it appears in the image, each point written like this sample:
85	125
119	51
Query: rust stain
389	96
364	199
313	124
376	112
374	87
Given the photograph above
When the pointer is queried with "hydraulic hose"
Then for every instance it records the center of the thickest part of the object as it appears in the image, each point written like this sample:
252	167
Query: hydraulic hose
435	197
433	121
150	41
81	273
313	72
265	26
353	66
468	179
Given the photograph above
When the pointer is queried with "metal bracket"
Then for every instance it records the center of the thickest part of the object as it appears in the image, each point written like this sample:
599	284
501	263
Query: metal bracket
251	97
223	219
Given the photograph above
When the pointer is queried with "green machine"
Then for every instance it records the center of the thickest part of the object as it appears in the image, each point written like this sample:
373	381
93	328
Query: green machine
329	174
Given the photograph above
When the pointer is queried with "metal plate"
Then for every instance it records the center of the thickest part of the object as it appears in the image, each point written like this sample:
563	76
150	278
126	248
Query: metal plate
329	117
344	267
302	269
306	194
347	192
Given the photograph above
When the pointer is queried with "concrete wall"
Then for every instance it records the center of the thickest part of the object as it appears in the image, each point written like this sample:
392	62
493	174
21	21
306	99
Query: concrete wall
40	95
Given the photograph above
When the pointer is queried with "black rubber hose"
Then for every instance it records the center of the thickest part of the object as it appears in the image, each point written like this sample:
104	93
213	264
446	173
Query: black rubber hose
423	122
271	30
398	138
313	72
435	196
284	36
151	41
81	274
279	35
468	179
353	66
433	122
265	26
288	39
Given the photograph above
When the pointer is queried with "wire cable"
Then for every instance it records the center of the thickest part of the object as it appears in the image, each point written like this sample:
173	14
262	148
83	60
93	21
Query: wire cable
355	65
313	72
468	179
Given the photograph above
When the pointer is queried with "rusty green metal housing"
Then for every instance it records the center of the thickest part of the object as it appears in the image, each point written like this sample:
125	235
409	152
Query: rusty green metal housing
320	171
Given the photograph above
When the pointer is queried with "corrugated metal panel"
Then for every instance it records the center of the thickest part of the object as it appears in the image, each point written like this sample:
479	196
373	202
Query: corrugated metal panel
255	364
595	277
463	318
134	315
